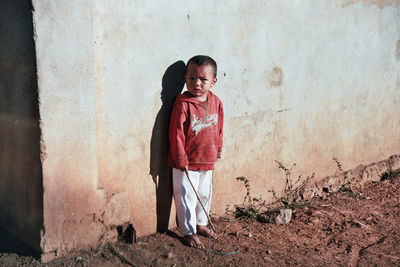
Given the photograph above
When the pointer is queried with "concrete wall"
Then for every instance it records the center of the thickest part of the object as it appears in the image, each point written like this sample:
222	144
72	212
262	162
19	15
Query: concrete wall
21	202
65	61
301	81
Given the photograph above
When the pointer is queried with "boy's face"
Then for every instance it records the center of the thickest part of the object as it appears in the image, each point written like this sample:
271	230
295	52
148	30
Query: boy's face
199	80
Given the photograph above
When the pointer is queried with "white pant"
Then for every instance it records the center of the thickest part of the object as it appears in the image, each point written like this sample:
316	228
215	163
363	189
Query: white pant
188	208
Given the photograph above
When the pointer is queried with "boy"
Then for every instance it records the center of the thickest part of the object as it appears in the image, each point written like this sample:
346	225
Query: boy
195	135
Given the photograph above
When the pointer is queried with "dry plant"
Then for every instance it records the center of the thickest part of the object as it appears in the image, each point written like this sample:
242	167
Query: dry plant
292	195
251	206
257	208
345	187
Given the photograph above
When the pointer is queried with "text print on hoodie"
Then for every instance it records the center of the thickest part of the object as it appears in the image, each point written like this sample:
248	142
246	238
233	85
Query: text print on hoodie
195	132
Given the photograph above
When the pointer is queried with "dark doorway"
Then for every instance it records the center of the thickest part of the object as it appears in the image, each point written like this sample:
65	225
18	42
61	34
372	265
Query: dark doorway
21	179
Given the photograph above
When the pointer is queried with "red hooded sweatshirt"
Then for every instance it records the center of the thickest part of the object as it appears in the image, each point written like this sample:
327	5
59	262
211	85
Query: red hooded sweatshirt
195	132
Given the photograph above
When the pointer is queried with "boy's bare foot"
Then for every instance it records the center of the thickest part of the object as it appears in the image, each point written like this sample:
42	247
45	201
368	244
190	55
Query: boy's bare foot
205	231
193	241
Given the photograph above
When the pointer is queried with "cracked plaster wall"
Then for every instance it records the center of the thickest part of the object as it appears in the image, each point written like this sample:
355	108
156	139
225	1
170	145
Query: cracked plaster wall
301	81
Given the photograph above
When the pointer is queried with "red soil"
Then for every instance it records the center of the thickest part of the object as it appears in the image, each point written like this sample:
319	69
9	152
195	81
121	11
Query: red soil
343	228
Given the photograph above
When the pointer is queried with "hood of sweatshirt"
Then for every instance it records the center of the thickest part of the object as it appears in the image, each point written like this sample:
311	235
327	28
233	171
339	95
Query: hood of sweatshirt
188	97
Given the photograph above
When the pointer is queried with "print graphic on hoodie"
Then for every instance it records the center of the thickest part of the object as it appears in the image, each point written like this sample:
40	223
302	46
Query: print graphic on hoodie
198	124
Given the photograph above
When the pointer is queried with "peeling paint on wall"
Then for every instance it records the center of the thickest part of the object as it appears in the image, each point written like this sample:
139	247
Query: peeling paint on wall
275	77
398	50
380	3
118	210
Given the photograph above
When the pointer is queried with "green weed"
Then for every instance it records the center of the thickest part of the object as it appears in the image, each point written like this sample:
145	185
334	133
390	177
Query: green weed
346	190
390	175
251	206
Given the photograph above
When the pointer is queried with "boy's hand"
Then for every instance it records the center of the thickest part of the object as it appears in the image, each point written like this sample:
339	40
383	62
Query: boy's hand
185	169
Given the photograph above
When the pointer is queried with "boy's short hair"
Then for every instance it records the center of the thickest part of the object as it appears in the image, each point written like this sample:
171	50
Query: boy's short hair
201	60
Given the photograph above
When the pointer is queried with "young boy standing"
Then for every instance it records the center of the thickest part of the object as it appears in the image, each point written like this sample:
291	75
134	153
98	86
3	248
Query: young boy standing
195	135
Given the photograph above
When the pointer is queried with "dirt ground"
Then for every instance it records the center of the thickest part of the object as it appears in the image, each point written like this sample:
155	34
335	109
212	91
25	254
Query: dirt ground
351	228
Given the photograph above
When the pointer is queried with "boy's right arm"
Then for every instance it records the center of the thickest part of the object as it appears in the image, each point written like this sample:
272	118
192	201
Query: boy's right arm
177	137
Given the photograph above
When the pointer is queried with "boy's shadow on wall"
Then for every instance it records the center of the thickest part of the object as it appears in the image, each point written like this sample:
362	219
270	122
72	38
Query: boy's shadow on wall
172	84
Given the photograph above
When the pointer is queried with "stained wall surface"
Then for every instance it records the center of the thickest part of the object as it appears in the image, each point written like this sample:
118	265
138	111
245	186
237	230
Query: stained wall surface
301	81
73	204
21	201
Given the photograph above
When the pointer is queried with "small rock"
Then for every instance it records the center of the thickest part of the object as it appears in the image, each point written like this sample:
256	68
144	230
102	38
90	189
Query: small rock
315	220
268	251
250	235
80	260
170	255
284	216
